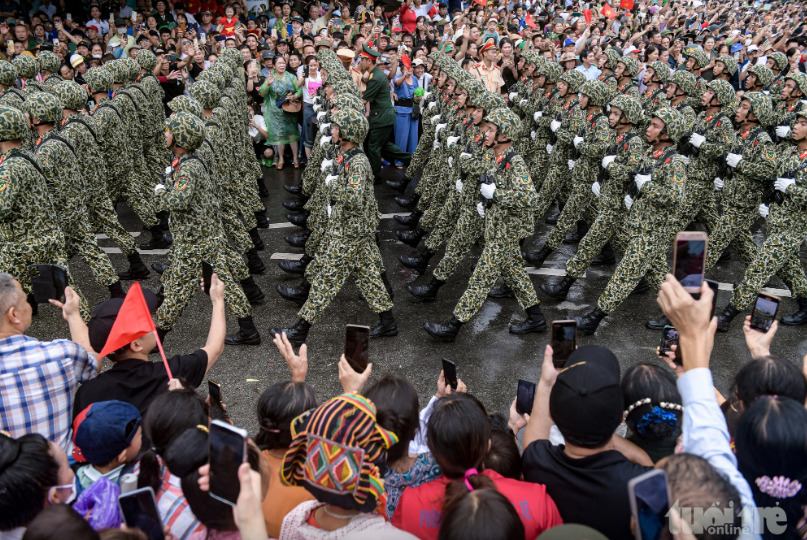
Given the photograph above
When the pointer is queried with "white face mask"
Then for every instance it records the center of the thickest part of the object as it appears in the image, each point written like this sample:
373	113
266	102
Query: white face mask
71	498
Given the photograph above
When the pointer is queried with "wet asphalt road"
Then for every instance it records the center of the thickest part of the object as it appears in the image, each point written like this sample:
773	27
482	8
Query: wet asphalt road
489	359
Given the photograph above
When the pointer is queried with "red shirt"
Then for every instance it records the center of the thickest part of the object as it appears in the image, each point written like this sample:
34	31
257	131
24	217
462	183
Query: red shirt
212	6
419	508
408	19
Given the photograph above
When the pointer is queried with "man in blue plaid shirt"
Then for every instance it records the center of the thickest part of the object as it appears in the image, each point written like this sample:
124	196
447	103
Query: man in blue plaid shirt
38	378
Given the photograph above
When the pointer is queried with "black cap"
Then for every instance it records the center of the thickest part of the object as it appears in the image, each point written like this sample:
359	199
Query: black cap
298	19
267	55
179	5
586	401
106	313
281	40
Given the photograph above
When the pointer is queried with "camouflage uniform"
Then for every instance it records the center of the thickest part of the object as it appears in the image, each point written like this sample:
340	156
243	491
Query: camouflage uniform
27	69
10	96
51	63
778	82
155	154
629	87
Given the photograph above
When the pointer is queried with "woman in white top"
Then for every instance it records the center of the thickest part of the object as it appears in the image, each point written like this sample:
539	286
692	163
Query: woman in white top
309	82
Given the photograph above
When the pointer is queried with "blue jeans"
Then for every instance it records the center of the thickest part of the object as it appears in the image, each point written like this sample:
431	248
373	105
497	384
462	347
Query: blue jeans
308	127
406	132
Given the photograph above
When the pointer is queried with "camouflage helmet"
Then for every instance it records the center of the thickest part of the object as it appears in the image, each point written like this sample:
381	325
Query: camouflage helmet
206	93
44	107
779	59
13	124
490	101
187	104
229	56
575	79
730	63
674	123
551	70
630	107
132	66
613	57
724	92
8	73
760	105
801	81
118	70
49	62
348	101
187	129
701	59
632	65
597	92
70	94
98	79
660	70
213	77
764	75
475	89
222	69
352	124
346	87
27	66
506	120
146	59
685	81
529	58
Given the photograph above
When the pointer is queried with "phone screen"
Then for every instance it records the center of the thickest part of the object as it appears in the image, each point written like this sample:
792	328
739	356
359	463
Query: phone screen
228	450
207	275
48	282
765	308
214	389
669	337
564	341
650	503
525	396
139	509
450	373
357	346
690	260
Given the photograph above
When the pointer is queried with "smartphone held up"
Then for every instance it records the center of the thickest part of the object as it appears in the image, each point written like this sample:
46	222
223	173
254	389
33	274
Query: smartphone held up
357	346
689	259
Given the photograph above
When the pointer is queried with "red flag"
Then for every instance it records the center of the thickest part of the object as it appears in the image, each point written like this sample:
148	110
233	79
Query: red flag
608	11
433	11
406	61
529	22
626	4
587	15
481	2
133	322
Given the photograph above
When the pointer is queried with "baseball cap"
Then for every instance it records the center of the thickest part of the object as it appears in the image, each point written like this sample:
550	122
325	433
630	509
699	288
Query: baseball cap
736	48
267	54
298	19
568	42
103	430
418	62
106	313
630	50
586	401
76	60
752	48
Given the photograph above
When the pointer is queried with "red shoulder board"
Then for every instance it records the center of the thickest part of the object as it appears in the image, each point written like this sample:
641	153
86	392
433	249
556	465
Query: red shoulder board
619	139
39	141
589	117
507	166
175	163
756	143
64	121
340	159
499	158
657	153
548	94
566	107
745	135
347	166
708	118
2	159
655	100
649	93
625	147
477	138
719	124
790	109
667	160
801	156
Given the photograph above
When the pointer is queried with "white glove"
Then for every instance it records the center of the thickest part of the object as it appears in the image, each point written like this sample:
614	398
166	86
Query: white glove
325	140
686	160
549	148
595	189
480	209
628	201
697	140
607	160
554	125
329	178
537	115
450	161
452	140
570	163
316	99
733	159
158	187
432	105
426	95
719	183
764	210
532	135
325	127
783	183
458	185
325	164
522	102
512	95
320	114
487	190
436	145
316	108
465	155
439	127
641	180
576	141
436	118
783	131
329	210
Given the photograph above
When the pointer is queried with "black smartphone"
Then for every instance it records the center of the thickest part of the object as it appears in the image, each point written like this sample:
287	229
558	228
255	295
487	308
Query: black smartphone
440	28
714	285
207	275
139	509
450	373
228	450
357	346
765	308
563	341
649	496
689	259
48	282
525	396
214	390
669	337
305	71
384	60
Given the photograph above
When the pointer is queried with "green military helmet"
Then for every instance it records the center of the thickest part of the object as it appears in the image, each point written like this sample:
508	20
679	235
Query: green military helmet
761	107
27	66
146	59
730	63
764	75
228	55
489	101
132	66
8	73
463	76
539	60
475	89
724	92
597	92
630	106
187	104
352	124
348	101
216	78
661	71
613	57
49	62
701	59
70	94
187	129
118	70
801	81
674	123
206	93
632	65
98	79
529	58
13	124
506	120
44	107
780	59
575	79
346	87
685	81
224	70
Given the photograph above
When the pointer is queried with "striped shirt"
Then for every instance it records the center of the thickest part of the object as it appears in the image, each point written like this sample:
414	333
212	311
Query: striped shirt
173	506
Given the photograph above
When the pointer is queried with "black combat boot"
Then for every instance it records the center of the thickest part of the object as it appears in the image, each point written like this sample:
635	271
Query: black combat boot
263	192
410	238
501	290
387	326
798	318
255	236
137	270
159	267
446	331
427	293
558	290
408	203
163	217
298	219
605	257
388	286
725	317
263	221
295	267
295	206
296	334
247	333
297	295
296	241
160	296
34	306
536	322
420	262
575	237
588	323
641	287
658	324
537	258
398	185
294	190
159	239
552	219
411	220
725	256
116	290
253	293
254	262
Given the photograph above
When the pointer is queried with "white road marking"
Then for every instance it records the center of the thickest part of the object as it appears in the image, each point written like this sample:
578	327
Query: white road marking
105	237
286	256
114	250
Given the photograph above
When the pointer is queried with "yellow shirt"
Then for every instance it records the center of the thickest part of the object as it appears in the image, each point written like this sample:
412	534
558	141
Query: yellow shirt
490	77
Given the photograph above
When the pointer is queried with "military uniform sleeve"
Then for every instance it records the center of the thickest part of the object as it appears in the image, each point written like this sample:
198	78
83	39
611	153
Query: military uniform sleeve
373	89
178	194
519	191
570	128
761	162
628	160
719	140
596	144
350	193
9	187
667	186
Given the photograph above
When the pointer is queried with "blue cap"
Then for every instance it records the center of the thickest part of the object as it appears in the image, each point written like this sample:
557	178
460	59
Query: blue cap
736	48
103	430
568	42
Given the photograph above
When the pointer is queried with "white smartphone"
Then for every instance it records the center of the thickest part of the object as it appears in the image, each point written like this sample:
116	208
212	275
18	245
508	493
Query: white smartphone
69	17
55	42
